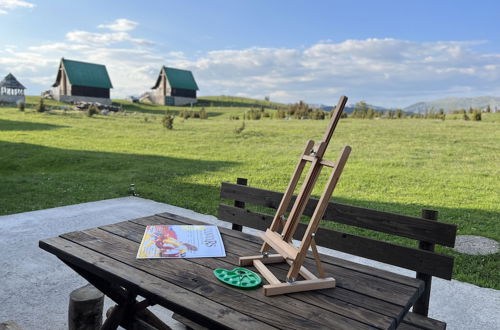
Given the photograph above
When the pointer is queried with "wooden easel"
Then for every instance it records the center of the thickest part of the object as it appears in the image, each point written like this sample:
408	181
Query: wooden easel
282	243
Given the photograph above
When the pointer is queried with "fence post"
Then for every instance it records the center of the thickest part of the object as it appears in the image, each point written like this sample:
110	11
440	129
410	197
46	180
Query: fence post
241	205
421	306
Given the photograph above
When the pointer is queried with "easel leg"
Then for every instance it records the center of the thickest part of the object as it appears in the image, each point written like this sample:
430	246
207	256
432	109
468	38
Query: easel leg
319	265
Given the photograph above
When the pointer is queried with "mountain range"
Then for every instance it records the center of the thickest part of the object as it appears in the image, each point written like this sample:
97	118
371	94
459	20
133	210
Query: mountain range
447	104
455	103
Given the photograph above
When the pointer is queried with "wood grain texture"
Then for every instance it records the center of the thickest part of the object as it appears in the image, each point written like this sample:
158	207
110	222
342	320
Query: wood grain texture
236	246
203	268
202	310
299	286
370	283
422	322
410	258
197	279
386	222
243	237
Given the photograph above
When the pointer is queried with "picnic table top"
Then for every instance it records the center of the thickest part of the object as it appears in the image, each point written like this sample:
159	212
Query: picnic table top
365	297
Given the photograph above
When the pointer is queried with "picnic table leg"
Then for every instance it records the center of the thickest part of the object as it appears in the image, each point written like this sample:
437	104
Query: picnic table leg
128	311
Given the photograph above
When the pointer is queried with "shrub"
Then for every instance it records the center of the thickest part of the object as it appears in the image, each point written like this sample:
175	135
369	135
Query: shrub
466	117
253	114
92	110
476	115
21	106
168	120
40	107
281	114
185	114
203	114
240	129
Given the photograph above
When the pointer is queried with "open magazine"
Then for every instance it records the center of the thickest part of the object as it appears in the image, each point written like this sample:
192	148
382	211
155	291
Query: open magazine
189	241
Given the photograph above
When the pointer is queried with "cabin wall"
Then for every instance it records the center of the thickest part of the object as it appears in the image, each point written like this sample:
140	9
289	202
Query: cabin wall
64	87
179	100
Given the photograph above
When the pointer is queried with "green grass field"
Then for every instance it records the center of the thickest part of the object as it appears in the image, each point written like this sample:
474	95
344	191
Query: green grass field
62	158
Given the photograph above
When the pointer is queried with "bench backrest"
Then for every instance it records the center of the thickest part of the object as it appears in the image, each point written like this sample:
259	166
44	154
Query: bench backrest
427	231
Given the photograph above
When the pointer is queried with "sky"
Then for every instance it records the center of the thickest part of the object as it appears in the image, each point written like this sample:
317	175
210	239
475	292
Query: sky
387	53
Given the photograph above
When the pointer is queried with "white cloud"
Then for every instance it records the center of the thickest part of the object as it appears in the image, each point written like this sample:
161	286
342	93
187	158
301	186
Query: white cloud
6	5
105	39
120	24
387	72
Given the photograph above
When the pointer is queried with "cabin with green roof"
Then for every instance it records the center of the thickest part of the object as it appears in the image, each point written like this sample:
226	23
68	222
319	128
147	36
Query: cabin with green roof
82	81
174	87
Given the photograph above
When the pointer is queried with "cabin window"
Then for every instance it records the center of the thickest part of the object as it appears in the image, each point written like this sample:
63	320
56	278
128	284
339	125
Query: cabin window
89	91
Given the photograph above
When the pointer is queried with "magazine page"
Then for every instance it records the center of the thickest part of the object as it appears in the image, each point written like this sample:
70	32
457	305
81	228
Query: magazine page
189	241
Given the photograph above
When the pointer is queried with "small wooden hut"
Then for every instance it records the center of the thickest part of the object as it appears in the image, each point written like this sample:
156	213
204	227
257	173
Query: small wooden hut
174	87
11	90
82	81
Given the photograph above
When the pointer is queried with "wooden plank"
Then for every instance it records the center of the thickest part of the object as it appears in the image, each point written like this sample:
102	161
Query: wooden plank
173	218
306	273
329	302
423	322
337	113
285	200
197	279
303	196
265	272
277	243
319	212
380	319
173	297
198	276
410	258
323	162
422	304
365	283
385	222
270	259
241	205
317	259
299	286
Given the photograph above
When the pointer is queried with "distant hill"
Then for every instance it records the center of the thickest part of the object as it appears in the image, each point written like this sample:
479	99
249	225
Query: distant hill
234	101
348	108
455	103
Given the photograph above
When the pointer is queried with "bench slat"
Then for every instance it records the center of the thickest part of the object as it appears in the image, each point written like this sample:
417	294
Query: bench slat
401	256
386	222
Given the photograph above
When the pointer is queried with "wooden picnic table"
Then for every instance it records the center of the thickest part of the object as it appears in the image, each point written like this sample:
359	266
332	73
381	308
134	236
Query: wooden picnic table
365	297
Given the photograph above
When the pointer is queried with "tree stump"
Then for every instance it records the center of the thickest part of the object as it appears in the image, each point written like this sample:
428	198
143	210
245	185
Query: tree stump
85	308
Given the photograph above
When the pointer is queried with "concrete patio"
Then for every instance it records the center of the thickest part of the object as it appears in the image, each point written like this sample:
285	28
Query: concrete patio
35	285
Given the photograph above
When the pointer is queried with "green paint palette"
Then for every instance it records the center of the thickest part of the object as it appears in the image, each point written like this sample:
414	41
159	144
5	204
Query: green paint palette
239	277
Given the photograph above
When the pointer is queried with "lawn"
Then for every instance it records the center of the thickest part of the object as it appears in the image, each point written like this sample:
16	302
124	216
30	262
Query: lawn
65	157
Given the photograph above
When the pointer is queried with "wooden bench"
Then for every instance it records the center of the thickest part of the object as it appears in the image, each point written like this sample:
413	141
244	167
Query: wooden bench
426	230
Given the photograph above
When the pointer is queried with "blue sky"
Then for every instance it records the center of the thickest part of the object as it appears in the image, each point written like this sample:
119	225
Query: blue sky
390	53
